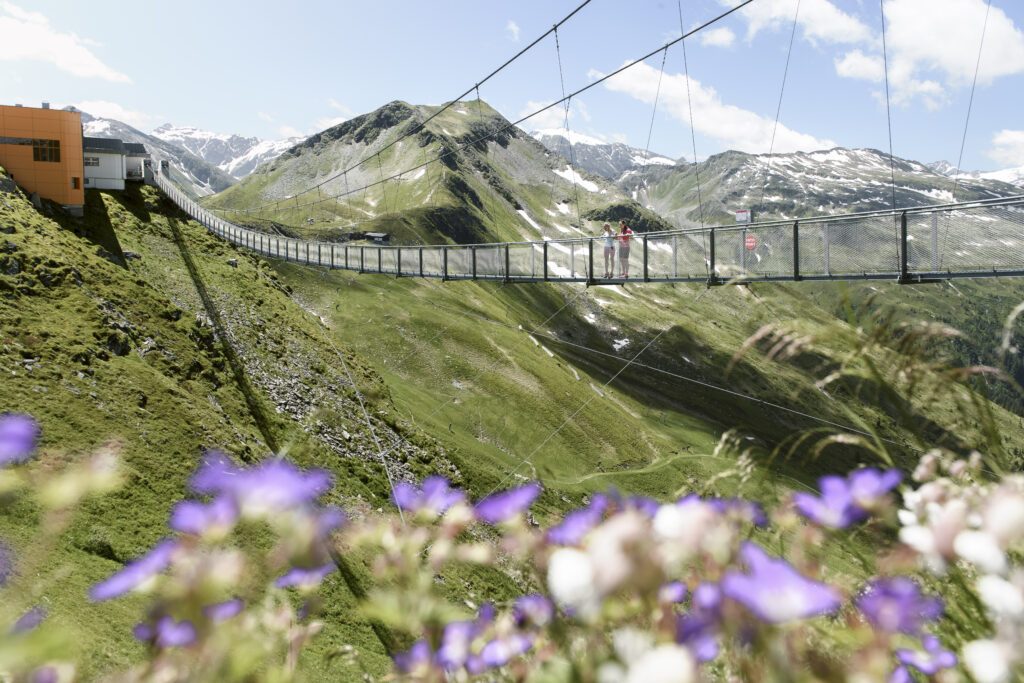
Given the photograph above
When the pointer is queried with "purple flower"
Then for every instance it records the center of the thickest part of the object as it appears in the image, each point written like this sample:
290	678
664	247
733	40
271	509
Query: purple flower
896	605
45	674
576	524
500	651
135	573
929	662
455	644
171	633
846	501
327	520
699	628
533	610
29	620
262	490
302	577
143	632
505	505
644	505
870	486
18	435
193	517
415	657
6	563
835	508
223	610
774	591
901	675
672	592
435	497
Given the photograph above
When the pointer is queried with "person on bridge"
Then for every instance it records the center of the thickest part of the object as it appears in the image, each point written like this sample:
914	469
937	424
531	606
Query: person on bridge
624	235
608	236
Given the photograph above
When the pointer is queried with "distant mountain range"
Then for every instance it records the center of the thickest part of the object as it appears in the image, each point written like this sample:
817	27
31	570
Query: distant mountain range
1014	176
611	160
236	155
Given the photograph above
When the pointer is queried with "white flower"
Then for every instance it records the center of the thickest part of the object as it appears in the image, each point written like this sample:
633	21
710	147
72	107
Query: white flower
1004	516
987	661
571	581
631	644
663	664
982	550
921	539
609	546
1001	596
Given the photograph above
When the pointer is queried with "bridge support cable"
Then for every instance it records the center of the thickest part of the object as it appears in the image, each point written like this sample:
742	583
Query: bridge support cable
654	110
576	93
568	134
900	245
778	109
569	419
693	138
967	123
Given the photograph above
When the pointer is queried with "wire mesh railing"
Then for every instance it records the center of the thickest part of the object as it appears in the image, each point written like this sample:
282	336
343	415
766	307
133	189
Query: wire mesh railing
970	239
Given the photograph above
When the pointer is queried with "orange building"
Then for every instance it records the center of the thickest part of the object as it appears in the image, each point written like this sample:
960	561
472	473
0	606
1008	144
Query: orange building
42	149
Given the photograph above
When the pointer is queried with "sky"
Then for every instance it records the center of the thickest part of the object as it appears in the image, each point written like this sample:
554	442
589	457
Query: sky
278	69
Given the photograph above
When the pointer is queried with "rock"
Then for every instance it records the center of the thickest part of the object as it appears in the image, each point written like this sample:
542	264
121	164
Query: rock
36	201
348	437
9	247
7	229
132	256
233	262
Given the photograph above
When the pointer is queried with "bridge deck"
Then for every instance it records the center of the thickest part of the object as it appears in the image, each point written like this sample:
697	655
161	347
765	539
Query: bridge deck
967	240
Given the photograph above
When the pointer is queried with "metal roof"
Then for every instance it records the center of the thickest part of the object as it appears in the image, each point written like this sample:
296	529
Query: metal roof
135	149
108	145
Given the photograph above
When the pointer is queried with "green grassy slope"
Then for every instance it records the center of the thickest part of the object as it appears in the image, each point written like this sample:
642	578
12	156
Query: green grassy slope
126	352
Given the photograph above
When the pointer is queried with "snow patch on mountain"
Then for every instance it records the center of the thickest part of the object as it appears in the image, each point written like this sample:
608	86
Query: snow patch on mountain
573	177
611	160
236	155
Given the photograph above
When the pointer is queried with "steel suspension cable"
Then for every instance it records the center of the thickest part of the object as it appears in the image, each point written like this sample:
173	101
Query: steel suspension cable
576	93
970	102
888	107
693	140
451	103
568	134
654	109
778	109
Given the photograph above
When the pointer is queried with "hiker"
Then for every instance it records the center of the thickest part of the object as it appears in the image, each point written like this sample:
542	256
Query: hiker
624	235
608	237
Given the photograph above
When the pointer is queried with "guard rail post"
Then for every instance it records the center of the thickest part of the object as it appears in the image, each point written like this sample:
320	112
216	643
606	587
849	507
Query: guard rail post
362	260
380	260
507	262
545	261
590	261
646	276
712	275
444	264
796	251
398	263
904	260
319	254
420	250
473	252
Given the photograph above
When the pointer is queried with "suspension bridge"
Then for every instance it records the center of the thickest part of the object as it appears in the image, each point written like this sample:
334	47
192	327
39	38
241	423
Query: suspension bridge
958	240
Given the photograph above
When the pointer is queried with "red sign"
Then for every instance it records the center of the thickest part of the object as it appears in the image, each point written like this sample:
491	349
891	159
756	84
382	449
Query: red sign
750	242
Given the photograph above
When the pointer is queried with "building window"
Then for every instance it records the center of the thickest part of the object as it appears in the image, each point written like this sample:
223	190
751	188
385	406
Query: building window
76	184
92	161
46	150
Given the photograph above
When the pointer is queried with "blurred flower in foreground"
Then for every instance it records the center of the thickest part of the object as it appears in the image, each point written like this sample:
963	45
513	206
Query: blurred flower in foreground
434	497
503	506
896	605
18	435
847	500
931	660
263	490
135	573
774	591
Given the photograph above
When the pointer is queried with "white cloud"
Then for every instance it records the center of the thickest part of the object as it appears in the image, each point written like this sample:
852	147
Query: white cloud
513	30
718	37
289	132
28	36
734	127
934	45
819	20
553	117
338	106
264	116
856	64
112	110
326	122
1008	148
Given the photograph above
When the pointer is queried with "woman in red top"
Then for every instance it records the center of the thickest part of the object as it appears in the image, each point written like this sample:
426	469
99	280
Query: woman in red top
624	235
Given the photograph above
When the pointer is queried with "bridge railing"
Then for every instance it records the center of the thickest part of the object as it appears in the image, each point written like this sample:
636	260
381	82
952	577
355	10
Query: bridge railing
971	239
